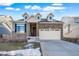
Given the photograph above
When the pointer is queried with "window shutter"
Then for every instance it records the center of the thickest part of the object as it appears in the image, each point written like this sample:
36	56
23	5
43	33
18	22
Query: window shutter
15	28
25	28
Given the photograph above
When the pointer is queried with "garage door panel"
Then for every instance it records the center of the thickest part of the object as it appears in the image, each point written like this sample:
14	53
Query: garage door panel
49	35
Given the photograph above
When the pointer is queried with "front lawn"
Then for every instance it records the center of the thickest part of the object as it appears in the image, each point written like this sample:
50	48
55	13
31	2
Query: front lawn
16	46
11	46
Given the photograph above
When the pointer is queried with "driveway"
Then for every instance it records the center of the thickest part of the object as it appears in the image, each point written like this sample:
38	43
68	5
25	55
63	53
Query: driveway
59	48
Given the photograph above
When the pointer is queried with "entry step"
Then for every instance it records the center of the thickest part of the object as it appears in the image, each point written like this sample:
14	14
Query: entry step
32	39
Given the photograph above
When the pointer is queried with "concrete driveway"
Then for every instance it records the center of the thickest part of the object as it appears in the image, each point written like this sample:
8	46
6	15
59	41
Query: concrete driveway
59	48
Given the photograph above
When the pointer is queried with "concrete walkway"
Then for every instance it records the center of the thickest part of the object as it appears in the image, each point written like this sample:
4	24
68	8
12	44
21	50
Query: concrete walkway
59	48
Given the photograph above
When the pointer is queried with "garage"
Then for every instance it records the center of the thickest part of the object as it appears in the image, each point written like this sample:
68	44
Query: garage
49	34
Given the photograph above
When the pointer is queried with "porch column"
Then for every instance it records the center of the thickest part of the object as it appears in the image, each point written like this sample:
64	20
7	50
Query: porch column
28	29
61	32
37	31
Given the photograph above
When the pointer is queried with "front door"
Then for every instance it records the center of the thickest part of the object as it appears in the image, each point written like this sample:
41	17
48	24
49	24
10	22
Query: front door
33	29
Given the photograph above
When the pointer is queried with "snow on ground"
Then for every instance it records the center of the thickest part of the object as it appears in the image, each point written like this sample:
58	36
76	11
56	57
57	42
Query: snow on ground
23	52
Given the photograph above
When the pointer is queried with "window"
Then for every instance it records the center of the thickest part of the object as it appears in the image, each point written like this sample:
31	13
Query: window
68	28
25	17
38	17
20	27
50	17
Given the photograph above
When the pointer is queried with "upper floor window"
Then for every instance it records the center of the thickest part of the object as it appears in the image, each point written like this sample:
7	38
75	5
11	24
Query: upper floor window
38	16
50	17
25	17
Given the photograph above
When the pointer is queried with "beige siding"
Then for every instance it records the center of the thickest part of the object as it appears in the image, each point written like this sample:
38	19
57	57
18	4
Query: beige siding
74	27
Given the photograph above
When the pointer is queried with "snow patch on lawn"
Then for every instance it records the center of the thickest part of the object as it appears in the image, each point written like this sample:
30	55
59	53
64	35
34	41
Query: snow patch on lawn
23	52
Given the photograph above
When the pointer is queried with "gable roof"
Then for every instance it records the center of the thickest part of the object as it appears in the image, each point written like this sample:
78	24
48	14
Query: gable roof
32	19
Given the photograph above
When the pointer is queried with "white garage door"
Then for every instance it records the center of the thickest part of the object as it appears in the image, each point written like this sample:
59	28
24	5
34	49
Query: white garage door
49	35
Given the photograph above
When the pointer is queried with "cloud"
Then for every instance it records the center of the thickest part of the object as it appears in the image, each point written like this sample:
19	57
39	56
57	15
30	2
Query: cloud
6	4
10	8
58	8
62	11
46	8
51	8
17	9
27	7
36	7
57	4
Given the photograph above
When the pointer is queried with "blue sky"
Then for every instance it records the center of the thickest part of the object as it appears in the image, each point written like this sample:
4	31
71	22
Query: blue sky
58	9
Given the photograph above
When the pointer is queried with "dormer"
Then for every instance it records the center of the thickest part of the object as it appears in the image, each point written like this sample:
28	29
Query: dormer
38	16
26	16
50	17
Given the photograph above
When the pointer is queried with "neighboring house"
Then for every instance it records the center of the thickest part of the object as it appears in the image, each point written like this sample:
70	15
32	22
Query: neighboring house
5	25
36	26
71	26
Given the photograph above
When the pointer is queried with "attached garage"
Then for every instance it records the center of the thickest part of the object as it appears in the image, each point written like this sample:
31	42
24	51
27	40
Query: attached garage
50	31
49	35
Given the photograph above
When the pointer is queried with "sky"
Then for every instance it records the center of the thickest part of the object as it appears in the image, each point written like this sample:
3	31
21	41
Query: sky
16	10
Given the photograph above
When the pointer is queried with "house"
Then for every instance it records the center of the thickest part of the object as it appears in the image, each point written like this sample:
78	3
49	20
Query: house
35	26
71	28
